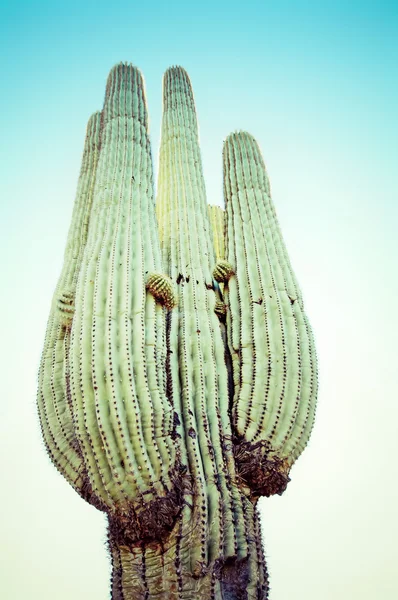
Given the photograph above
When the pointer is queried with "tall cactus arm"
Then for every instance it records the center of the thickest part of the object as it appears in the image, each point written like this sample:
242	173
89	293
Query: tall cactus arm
122	415
270	339
53	399
220	515
182	214
217	217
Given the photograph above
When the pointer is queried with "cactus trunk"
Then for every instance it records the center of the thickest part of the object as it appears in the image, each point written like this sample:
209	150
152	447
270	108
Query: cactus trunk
155	571
178	379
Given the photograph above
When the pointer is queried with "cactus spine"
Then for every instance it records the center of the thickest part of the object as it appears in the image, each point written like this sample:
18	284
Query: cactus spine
178	378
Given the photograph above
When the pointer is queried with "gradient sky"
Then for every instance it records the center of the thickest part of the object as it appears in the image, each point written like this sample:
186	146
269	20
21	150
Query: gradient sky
317	84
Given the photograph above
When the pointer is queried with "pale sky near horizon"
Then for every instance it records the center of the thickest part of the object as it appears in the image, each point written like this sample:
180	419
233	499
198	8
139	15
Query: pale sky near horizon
316	84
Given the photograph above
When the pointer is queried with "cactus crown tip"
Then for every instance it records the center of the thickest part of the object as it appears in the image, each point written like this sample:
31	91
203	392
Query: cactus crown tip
123	67
181	69
238	134
240	137
93	121
122	77
175	72
177	68
122	63
93	118
176	83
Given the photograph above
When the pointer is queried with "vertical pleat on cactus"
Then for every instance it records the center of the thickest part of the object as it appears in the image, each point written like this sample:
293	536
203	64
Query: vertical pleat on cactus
178	380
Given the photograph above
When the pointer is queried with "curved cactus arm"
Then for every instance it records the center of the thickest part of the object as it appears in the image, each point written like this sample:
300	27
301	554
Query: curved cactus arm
53	400
271	344
217	218
123	417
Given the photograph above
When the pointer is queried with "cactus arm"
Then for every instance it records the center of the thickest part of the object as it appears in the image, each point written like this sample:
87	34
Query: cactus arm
184	220
264	315
82	380
118	335
295	433
186	264
271	345
53	393
298	438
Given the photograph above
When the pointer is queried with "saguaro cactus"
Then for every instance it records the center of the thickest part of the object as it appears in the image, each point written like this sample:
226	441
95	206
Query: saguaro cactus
178	380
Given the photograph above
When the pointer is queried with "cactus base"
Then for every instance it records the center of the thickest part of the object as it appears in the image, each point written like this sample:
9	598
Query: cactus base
157	571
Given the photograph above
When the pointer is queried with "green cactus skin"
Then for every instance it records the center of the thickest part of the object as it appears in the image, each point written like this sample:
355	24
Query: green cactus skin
270	339
170	397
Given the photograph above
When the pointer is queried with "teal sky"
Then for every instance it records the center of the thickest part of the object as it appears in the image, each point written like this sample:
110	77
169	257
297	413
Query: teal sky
316	83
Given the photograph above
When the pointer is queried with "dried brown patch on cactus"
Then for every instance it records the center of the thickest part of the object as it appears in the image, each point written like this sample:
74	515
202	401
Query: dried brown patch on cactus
153	520
223	271
263	475
234	576
162	289
89	495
